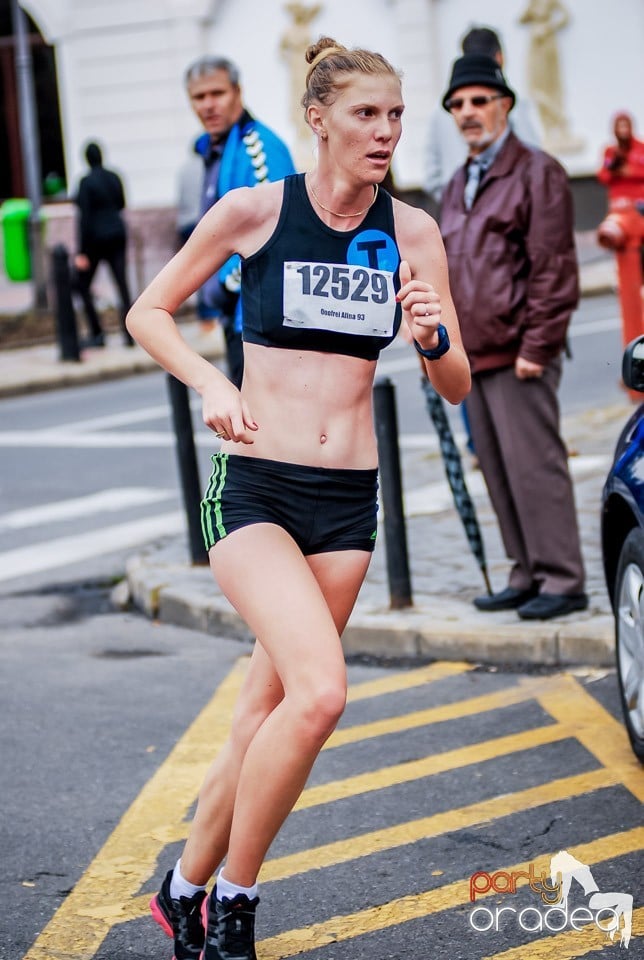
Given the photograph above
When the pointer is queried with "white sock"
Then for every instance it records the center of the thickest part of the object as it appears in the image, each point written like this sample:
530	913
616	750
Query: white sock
180	887
230	890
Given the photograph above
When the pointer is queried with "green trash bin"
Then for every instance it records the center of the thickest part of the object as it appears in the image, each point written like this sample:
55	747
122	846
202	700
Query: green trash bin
14	215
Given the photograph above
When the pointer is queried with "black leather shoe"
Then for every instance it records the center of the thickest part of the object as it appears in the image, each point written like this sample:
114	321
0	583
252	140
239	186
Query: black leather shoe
549	605
508	599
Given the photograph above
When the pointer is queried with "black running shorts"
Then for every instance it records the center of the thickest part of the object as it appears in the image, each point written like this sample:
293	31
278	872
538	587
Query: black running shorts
323	509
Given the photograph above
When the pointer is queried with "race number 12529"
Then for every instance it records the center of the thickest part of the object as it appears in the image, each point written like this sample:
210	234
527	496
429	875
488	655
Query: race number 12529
357	284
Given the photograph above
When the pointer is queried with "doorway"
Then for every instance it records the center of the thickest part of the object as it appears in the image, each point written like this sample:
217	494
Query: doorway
52	161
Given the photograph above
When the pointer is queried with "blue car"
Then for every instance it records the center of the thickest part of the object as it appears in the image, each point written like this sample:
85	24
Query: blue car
623	551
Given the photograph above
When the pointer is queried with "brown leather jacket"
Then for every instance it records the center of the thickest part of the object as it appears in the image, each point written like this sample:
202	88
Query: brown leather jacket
512	261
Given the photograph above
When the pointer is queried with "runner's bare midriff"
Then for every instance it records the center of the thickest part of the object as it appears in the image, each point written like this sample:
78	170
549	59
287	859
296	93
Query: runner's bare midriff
311	408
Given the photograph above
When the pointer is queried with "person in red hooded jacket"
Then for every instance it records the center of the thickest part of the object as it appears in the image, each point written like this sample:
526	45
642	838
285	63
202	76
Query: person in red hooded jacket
622	171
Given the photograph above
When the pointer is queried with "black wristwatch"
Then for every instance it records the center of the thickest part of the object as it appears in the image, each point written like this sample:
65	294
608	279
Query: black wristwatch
441	349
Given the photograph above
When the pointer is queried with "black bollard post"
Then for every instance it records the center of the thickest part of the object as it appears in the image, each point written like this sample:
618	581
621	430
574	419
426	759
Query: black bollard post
384	401
188	467
65	316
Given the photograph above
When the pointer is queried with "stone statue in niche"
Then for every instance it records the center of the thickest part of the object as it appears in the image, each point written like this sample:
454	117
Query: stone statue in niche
293	43
545	19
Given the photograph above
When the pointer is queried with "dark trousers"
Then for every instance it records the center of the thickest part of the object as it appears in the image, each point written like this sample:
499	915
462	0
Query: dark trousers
113	254
515	428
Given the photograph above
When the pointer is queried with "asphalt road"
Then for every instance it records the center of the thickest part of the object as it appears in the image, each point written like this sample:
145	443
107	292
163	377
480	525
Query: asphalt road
436	773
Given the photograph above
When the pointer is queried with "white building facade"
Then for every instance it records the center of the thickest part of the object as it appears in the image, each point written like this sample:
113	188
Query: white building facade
121	62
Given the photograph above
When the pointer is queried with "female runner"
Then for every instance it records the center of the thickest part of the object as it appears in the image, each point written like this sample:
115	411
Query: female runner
331	264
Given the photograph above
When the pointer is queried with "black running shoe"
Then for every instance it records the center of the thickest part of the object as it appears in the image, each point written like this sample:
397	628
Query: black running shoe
230	928
181	920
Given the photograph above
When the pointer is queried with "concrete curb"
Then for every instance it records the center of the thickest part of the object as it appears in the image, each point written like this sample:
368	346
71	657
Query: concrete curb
72	374
435	628
36	369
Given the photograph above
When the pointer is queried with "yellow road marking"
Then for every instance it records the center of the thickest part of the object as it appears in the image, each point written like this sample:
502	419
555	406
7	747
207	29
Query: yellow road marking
406	679
475	705
352	848
594	727
450	711
103	895
341	851
569	945
436	763
158	816
396	912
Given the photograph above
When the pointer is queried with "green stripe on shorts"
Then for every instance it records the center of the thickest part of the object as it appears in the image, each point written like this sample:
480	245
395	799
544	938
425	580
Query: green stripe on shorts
210	508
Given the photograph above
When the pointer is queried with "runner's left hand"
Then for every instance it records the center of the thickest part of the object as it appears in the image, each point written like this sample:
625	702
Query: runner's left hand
421	308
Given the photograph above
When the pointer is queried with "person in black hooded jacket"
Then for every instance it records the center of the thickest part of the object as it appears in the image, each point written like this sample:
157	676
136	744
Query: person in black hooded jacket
102	236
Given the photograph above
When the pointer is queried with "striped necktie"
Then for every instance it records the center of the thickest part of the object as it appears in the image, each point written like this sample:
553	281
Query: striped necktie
474	170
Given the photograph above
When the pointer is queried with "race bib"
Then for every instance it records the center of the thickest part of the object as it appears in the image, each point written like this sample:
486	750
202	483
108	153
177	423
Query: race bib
342	298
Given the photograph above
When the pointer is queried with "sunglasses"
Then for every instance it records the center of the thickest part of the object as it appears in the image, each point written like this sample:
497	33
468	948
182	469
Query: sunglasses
481	100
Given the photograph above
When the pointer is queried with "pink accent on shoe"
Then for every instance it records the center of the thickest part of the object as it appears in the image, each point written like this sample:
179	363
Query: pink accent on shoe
160	916
204	920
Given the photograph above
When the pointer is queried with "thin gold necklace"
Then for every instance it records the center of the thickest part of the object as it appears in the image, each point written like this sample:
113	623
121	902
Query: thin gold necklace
344	215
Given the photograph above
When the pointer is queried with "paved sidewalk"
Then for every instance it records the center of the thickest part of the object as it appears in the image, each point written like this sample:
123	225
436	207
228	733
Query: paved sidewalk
442	623
32	369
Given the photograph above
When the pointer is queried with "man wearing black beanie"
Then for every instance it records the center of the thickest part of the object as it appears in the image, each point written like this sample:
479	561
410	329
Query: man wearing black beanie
507	224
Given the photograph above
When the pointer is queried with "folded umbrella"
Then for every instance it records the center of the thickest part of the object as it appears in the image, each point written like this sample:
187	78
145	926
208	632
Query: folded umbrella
456	476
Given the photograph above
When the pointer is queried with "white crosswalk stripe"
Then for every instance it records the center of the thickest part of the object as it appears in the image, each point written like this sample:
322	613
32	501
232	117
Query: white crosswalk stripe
121	498
105	439
60	552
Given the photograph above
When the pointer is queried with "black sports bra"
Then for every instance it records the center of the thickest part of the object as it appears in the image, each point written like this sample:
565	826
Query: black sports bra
314	288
